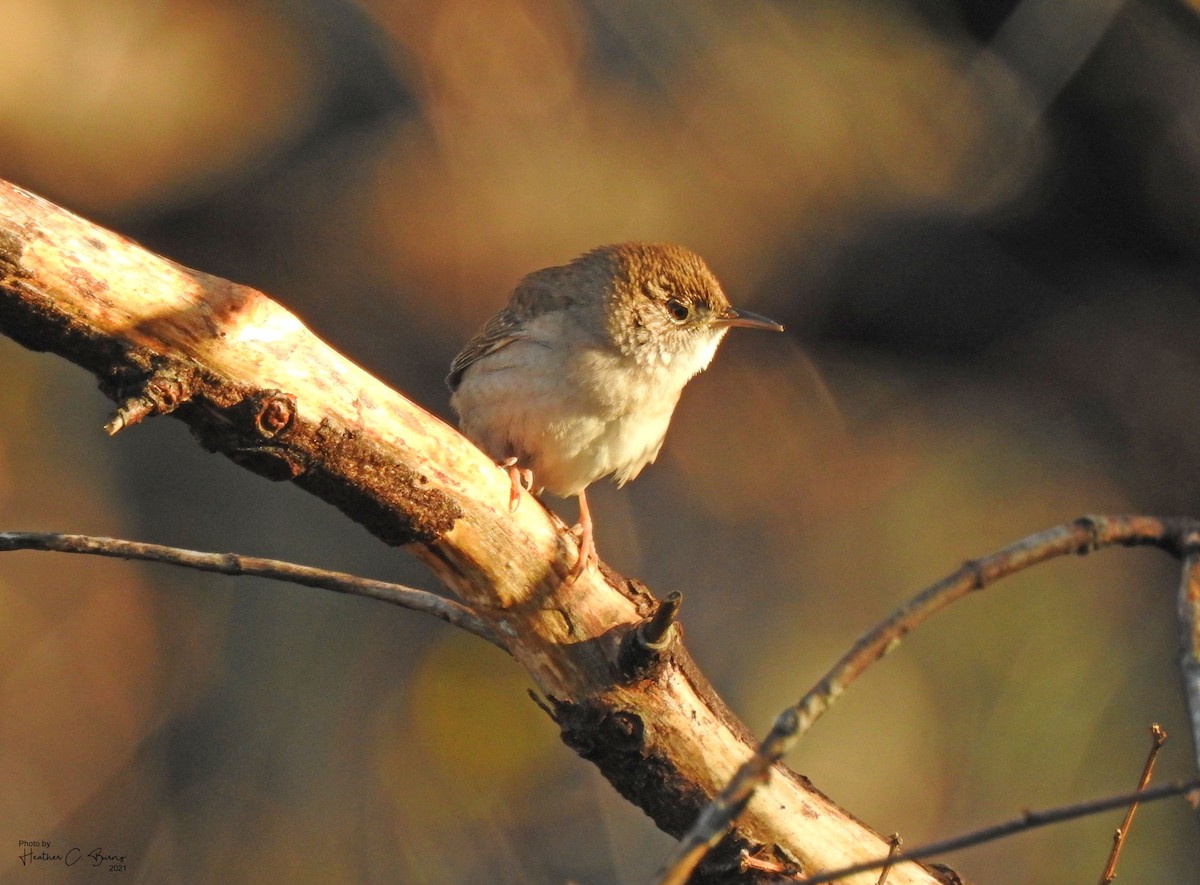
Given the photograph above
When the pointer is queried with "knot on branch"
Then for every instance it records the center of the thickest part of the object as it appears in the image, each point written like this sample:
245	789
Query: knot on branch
1182	537
1091	528
254	431
275	414
159	392
645	646
596	731
978	575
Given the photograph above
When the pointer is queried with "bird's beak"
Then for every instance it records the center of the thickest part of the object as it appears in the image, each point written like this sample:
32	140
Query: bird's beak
746	319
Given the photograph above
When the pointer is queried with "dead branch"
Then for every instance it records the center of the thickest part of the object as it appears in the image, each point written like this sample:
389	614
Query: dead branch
235	564
1027	821
1080	537
1189	646
252	383
1084	535
1158	737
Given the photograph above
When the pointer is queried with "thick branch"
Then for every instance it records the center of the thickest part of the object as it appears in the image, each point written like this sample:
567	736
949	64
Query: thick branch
254	384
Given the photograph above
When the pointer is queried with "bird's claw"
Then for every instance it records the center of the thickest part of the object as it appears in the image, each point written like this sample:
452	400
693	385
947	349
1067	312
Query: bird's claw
587	541
520	477
588	558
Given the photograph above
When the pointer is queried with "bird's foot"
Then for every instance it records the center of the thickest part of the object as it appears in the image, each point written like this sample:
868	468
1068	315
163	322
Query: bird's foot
520	477
587	542
587	553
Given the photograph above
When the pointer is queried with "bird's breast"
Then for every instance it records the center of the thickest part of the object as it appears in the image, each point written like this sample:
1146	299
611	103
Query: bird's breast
574	414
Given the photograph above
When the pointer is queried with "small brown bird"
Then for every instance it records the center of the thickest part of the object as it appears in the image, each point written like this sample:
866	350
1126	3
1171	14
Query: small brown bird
578	376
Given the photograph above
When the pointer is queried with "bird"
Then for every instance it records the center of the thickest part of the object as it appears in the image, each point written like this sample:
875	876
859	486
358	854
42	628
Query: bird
577	377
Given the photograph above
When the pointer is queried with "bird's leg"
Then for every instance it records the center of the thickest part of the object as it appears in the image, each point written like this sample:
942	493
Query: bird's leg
587	543
520	477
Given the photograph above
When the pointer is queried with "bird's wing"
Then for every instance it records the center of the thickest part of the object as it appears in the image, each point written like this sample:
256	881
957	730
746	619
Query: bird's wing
535	295
501	329
543	291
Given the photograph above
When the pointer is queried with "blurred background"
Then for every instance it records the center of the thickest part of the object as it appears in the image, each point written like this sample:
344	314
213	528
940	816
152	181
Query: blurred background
979	223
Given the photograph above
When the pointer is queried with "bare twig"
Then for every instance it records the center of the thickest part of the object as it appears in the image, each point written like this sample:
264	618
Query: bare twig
1158	737
1189	621
1080	537
1028	821
895	842
721	811
235	564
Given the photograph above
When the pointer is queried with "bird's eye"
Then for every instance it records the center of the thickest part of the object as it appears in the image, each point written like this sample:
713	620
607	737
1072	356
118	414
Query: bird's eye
678	310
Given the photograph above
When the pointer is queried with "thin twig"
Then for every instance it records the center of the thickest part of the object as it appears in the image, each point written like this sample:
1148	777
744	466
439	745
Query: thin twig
710	826
1082	536
894	843
1189	646
235	564
1028	821
1158	737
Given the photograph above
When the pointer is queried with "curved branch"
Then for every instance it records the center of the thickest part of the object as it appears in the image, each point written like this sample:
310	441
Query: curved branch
1177	536
1189	628
454	613
1028	821
1080	537
253	383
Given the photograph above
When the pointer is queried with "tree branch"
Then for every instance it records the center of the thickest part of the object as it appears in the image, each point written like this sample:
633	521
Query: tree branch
1158	737
1027	821
251	382
1080	537
1088	533
235	564
1189	645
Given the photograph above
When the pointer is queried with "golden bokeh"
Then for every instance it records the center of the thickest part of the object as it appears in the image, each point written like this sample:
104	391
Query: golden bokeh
980	237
